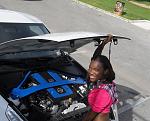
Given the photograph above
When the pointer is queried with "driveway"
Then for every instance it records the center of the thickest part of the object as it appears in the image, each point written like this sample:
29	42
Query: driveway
130	59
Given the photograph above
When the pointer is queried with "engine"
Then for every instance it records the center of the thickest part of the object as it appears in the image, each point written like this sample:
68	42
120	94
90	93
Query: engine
50	95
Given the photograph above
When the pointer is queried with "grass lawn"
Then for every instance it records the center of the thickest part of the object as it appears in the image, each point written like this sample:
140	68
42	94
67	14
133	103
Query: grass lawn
131	11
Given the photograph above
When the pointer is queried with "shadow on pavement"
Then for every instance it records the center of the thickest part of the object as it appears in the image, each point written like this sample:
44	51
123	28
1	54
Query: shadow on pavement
127	97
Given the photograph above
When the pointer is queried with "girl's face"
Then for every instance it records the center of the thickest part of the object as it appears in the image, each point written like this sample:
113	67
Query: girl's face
95	71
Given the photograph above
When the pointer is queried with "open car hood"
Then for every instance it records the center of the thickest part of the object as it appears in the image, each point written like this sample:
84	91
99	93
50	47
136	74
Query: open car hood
68	41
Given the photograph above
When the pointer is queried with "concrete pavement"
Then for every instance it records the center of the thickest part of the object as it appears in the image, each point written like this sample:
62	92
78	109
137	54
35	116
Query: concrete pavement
132	107
144	24
130	59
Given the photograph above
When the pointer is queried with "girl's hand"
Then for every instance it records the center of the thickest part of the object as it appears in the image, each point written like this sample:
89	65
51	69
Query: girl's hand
99	49
108	39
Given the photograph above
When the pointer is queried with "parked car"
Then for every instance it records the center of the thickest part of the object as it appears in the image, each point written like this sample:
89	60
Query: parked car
14	25
40	81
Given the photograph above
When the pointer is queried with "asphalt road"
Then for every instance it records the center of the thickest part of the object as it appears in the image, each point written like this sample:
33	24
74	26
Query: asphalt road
130	59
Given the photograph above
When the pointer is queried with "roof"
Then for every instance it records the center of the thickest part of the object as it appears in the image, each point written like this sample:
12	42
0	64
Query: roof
8	16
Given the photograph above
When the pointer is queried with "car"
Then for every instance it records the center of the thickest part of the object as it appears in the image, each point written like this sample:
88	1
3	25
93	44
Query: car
40	81
15	25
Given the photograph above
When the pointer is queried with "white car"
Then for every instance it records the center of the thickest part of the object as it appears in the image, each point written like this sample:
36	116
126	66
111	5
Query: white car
14	25
39	81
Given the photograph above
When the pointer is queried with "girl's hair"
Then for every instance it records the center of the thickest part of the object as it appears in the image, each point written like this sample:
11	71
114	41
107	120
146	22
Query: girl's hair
110	74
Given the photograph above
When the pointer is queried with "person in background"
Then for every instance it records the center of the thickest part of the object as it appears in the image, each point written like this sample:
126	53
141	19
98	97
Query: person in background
102	90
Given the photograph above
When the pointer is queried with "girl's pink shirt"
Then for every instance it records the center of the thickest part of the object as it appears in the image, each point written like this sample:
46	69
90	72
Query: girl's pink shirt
100	100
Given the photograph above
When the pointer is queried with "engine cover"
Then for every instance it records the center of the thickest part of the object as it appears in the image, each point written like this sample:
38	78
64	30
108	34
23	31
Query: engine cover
54	83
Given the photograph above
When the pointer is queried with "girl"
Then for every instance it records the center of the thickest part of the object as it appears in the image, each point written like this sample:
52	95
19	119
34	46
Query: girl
102	91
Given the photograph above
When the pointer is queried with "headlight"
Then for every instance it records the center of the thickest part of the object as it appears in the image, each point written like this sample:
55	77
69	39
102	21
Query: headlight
12	115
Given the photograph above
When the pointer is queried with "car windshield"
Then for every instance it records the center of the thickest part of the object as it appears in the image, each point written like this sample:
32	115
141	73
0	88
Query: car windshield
11	31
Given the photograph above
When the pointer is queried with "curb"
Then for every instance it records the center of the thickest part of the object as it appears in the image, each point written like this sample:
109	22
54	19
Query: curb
133	21
101	10
144	24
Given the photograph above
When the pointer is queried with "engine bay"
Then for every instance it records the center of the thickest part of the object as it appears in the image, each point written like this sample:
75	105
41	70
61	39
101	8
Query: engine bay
50	95
51	88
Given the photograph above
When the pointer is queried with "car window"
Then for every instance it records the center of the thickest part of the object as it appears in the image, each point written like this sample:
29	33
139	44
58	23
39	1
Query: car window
10	31
39	30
